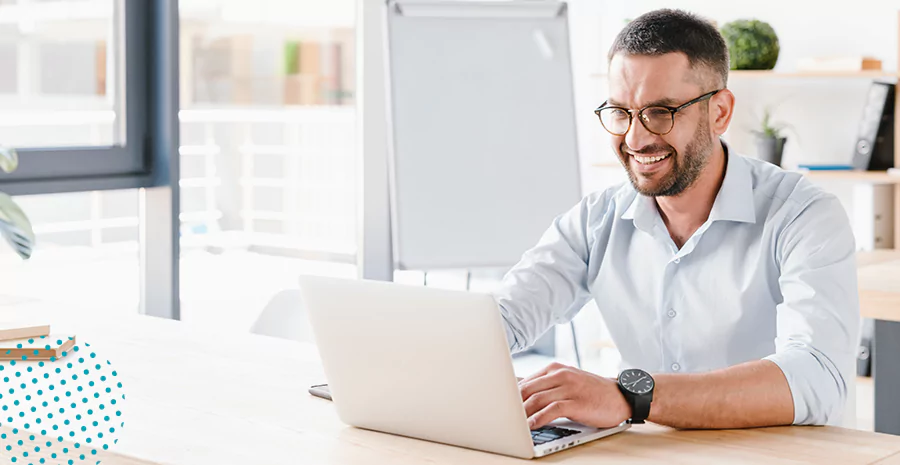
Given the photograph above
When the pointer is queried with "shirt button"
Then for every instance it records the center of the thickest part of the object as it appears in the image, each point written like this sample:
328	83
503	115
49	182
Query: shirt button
677	260
671	313
676	367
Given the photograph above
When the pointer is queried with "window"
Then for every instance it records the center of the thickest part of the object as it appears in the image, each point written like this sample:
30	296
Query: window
73	100
268	170
86	254
76	100
266	147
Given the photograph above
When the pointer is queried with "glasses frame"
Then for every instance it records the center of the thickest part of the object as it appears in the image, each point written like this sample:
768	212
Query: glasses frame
640	113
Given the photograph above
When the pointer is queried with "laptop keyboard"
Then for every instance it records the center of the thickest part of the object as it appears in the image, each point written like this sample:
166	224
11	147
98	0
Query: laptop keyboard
550	433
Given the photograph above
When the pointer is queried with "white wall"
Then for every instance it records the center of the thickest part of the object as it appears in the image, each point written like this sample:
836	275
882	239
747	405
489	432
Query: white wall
824	112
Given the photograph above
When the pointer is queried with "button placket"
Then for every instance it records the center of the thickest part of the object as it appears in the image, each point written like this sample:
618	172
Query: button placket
669	326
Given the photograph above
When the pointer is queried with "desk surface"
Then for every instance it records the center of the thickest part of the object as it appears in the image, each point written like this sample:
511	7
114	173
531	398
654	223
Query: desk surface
198	397
879	284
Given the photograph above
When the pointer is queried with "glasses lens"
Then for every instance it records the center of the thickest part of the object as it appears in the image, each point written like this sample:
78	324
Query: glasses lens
615	120
657	119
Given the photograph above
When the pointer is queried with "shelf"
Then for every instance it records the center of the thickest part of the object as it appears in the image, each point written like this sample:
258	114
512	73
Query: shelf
754	74
811	74
875	177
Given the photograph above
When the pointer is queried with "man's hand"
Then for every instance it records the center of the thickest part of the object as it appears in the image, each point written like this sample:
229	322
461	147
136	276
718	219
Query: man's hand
560	391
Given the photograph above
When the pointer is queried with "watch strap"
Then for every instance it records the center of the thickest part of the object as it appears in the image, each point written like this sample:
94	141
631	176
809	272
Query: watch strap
640	407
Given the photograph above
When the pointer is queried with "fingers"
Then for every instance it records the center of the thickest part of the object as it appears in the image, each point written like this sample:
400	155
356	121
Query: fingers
539	400
555	375
545	383
544	371
549	413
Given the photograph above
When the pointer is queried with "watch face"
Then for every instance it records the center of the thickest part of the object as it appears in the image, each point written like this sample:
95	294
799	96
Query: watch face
636	381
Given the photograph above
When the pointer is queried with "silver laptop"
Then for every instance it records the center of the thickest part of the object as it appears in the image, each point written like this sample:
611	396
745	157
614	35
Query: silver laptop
427	363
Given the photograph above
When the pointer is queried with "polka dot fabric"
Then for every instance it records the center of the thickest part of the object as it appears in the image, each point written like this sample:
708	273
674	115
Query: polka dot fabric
63	411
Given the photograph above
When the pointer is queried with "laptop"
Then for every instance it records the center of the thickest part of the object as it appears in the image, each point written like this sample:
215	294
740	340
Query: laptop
427	363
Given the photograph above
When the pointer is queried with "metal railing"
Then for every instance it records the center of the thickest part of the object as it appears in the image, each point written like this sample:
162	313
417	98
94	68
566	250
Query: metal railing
227	189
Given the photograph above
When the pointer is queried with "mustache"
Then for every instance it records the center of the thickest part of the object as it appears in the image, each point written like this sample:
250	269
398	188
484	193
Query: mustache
655	148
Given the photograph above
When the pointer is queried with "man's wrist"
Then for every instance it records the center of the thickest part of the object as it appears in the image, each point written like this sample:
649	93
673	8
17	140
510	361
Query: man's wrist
657	409
636	387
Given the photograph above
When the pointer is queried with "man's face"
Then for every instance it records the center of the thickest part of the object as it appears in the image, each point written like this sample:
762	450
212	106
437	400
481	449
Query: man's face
637	81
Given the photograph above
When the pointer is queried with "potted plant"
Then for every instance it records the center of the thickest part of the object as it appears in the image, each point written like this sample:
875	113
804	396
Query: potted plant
770	139
14	225
752	44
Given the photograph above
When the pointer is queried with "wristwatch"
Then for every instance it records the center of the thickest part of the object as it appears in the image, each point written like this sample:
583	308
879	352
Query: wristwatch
637	387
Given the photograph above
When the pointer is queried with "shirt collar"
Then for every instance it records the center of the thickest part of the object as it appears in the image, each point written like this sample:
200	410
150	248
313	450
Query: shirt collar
734	202
642	211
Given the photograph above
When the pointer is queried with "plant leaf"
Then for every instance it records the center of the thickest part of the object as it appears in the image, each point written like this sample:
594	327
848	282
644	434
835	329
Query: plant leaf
9	159
15	227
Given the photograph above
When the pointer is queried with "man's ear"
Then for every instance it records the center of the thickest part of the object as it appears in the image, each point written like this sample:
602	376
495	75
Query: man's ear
721	108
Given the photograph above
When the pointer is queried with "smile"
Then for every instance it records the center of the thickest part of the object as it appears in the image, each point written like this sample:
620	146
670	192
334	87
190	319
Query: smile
650	160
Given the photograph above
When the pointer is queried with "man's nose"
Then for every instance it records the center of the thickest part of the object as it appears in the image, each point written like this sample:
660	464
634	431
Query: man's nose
638	136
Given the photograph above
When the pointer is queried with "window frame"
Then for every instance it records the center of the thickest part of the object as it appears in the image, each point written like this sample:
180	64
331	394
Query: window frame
45	170
149	159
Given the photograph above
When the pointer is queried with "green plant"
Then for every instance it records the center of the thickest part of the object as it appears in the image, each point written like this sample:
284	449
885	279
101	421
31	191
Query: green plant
291	58
752	44
14	225
768	128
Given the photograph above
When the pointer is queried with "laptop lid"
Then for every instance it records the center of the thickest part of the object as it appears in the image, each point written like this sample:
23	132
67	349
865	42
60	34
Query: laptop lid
421	362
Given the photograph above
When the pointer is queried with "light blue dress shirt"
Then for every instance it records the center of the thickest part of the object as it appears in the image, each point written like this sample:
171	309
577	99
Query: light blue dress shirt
770	275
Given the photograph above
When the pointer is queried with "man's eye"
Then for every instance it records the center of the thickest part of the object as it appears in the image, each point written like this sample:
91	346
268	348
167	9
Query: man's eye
657	113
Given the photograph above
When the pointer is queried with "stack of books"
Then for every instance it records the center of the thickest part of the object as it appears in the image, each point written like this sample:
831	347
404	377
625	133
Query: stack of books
314	73
33	342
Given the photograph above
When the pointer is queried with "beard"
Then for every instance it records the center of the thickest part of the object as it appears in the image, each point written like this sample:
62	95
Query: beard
686	167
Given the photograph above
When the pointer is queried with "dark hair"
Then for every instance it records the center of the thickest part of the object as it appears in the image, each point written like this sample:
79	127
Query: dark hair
666	31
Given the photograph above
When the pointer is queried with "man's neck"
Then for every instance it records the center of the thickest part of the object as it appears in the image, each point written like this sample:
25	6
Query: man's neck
685	213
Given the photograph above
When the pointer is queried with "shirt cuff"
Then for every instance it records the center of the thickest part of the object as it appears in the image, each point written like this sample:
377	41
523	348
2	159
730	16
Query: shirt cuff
512	335
817	387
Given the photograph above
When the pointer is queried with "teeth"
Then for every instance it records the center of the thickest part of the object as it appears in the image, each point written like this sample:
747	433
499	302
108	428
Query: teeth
648	160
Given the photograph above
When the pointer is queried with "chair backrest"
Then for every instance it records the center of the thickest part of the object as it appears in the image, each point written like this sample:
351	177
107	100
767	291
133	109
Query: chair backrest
284	317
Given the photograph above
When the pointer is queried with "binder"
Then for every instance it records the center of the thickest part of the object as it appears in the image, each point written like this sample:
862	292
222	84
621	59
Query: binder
874	147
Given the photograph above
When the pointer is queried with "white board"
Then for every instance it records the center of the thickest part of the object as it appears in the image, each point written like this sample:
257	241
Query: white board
483	149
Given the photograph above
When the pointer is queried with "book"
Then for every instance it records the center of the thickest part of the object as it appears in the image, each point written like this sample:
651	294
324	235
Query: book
310	73
37	348
839	63
826	167
23	332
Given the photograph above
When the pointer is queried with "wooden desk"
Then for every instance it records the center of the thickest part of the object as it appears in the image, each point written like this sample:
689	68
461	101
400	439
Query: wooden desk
879	299
198	397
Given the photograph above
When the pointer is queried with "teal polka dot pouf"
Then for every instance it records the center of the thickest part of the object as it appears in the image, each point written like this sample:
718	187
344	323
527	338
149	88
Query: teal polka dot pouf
63	411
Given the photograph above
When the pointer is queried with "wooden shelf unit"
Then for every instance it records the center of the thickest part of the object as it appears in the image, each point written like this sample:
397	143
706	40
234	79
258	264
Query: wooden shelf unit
873	177
741	74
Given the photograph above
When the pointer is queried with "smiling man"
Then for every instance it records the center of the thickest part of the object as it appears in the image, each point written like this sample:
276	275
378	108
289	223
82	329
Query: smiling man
727	284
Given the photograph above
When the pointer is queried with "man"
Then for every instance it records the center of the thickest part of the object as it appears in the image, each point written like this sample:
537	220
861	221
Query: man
729	283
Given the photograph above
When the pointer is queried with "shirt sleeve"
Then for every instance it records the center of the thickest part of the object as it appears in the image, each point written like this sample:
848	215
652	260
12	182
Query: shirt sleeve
818	320
549	284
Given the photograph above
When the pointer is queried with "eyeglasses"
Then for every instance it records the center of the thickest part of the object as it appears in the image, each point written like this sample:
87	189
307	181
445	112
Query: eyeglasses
657	119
